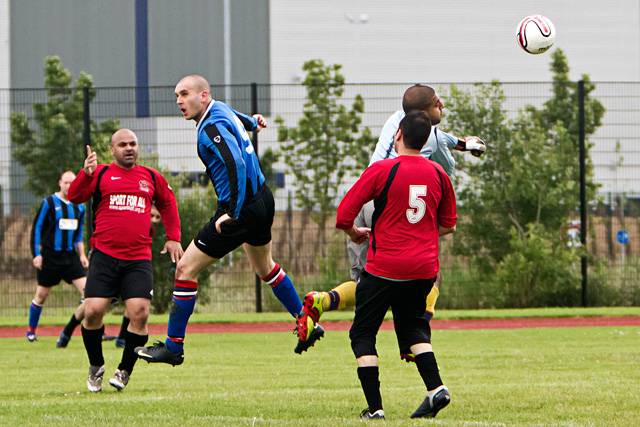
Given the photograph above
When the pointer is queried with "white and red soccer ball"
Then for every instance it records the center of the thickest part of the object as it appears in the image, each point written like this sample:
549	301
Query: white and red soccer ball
535	34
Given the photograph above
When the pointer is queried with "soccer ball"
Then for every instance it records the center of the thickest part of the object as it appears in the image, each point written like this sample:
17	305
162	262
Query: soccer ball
535	34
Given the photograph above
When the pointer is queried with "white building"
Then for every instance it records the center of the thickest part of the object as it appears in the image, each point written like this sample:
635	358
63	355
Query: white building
125	43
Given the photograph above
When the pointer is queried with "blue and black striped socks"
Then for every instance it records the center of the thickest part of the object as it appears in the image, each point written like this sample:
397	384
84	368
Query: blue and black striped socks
183	303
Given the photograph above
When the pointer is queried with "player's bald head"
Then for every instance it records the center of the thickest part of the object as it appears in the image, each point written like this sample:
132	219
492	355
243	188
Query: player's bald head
123	135
195	82
67	175
418	97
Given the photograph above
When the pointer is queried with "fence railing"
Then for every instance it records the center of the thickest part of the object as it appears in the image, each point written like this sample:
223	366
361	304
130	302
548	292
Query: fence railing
613	236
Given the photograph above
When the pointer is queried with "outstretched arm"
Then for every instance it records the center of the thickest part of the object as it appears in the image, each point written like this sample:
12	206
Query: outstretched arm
474	144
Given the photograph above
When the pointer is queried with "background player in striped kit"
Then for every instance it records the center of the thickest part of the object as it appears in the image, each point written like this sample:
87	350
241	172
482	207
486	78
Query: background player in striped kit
58	254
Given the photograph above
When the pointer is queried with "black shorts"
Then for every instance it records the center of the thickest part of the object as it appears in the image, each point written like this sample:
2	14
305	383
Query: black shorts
253	226
374	296
59	266
111	277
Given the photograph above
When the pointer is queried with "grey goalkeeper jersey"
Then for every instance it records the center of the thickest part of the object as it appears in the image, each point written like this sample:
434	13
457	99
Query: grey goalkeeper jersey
436	148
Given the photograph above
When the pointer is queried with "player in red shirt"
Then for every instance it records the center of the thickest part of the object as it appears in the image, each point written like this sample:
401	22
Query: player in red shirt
414	204
123	193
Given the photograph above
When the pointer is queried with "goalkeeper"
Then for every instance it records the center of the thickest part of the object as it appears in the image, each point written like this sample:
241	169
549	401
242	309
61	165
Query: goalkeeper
437	148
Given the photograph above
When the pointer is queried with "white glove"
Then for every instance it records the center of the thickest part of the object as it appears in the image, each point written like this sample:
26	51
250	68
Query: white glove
475	145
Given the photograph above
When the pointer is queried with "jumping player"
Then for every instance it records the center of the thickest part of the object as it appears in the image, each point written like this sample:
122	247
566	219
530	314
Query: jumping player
244	215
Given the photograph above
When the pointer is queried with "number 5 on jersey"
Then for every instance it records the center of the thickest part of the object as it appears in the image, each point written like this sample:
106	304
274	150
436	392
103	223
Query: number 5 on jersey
418	206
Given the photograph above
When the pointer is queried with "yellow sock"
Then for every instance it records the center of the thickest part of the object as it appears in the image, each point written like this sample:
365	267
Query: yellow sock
432	298
340	297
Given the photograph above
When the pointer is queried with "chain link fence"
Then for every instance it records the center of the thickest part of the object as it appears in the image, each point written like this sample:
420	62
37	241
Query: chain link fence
169	140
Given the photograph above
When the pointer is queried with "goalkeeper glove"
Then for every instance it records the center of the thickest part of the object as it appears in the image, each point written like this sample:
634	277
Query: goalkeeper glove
475	145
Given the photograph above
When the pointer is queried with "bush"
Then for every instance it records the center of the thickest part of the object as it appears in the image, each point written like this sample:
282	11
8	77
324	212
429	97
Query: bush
196	206
539	271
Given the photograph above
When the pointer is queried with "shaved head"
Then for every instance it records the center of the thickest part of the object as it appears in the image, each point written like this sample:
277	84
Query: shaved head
123	135
124	148
64	182
417	97
193	96
196	82
423	98
67	174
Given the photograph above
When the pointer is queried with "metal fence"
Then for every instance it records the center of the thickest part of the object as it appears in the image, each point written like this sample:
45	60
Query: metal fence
152	114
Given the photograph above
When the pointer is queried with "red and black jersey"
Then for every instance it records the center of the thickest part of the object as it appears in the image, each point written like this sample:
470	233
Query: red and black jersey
412	197
122	208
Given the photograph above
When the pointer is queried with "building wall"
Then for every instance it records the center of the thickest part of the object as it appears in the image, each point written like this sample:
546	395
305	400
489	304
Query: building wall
89	35
462	41
99	37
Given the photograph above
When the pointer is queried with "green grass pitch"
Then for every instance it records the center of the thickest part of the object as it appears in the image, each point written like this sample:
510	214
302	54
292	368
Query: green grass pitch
572	376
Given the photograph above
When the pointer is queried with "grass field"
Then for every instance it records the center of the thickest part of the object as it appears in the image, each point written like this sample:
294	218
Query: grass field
61	316
570	376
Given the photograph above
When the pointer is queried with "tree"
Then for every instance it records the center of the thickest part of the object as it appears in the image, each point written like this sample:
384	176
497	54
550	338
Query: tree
327	146
195	205
519	198
54	142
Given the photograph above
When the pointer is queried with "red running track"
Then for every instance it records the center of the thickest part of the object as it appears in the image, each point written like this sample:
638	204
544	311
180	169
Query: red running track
436	324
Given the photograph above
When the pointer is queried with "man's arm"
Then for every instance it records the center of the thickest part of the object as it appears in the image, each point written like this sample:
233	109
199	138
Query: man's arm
447	212
36	230
442	231
79	243
363	190
84	185
168	207
384	148
249	123
473	144
84	261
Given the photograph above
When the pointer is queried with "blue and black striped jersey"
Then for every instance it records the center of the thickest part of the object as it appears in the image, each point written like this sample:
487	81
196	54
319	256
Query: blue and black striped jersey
57	226
225	149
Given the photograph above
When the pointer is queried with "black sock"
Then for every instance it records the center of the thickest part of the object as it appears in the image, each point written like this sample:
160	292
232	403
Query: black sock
371	386
123	327
428	368
129	358
93	344
71	326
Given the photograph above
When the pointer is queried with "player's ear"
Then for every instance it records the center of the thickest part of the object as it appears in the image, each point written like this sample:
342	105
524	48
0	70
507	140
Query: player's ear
398	136
396	139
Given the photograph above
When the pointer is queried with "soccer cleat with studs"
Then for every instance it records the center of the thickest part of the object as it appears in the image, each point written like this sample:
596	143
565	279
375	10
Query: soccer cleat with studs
63	340
312	305
431	405
94	379
120	379
31	336
368	415
307	339
159	353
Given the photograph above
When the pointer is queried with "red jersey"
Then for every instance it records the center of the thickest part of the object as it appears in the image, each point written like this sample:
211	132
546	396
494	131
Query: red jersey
122	218
412	197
